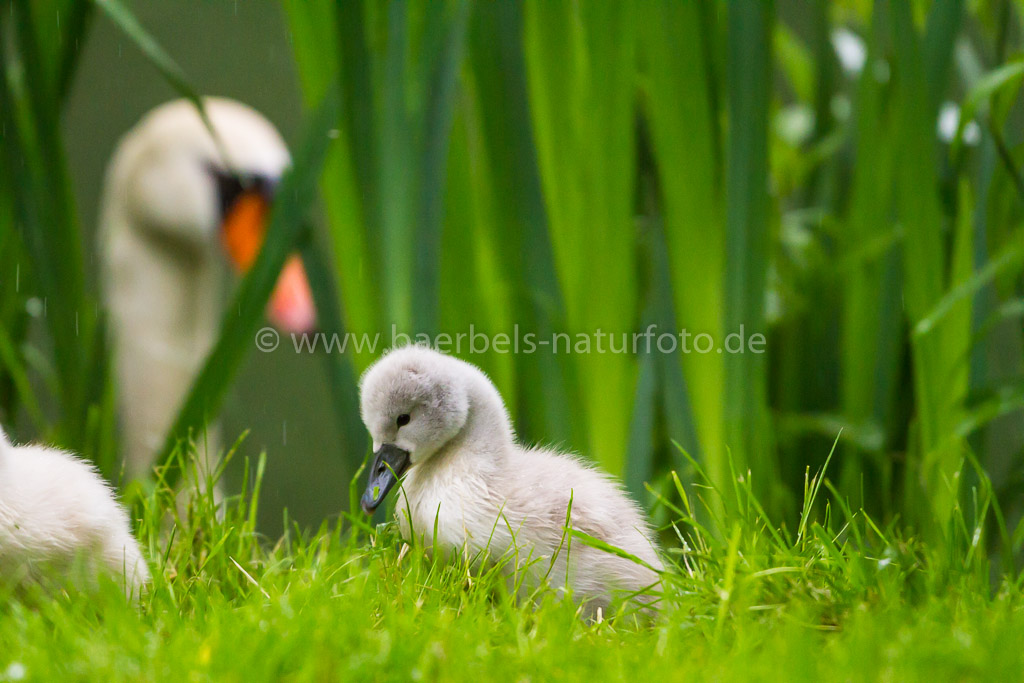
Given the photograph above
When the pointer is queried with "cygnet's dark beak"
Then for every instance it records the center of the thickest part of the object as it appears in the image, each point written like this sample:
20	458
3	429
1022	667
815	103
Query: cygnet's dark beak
389	463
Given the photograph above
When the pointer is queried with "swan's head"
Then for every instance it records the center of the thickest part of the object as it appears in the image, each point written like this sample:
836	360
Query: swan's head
413	401
173	180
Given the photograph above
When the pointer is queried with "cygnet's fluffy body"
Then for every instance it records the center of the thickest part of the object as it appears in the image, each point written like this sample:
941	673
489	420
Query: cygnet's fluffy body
55	510
443	421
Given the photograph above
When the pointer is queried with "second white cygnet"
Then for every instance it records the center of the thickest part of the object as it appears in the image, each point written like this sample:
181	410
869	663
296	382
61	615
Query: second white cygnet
55	510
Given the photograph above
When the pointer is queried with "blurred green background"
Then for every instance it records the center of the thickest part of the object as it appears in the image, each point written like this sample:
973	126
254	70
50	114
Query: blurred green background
795	168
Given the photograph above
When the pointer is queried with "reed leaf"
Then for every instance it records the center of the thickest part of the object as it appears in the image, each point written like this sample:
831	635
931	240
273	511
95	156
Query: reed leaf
581	72
341	378
157	56
748	233
871	337
926	264
346	194
497	110
441	85
45	208
683	117
285	231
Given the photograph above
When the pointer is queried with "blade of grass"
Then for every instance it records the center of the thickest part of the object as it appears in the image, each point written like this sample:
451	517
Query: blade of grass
996	341
941	28
1007	261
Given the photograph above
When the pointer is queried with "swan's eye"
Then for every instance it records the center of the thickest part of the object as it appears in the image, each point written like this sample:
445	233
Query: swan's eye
403	419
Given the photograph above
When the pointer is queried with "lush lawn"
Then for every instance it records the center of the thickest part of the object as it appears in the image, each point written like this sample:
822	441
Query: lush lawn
836	600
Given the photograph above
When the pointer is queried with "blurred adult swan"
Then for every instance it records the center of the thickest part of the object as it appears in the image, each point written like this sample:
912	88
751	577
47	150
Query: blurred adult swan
176	202
441	422
55	511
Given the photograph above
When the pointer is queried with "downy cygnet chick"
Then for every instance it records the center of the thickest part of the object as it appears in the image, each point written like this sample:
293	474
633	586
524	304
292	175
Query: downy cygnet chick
55	510
441	423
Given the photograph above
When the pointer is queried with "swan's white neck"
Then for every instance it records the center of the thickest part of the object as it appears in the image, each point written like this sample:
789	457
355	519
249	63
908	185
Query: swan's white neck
164	299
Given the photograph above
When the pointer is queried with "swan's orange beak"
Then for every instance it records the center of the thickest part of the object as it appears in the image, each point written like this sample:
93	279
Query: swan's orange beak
245	226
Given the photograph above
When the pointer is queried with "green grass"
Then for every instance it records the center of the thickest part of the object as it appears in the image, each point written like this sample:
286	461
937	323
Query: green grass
836	597
562	167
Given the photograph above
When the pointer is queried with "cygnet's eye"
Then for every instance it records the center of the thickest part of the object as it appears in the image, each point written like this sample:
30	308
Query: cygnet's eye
403	419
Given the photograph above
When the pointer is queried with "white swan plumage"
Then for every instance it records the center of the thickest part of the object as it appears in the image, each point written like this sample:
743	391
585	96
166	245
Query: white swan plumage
441	422
175	200
55	510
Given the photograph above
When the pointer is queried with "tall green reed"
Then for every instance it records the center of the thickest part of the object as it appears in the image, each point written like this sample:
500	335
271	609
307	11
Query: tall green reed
568	167
848	234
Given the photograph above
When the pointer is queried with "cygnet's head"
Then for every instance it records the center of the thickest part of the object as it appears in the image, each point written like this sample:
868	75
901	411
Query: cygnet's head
414	401
172	179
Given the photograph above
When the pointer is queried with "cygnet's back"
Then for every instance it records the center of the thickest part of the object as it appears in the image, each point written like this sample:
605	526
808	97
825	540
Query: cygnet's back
56	510
540	484
442	423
